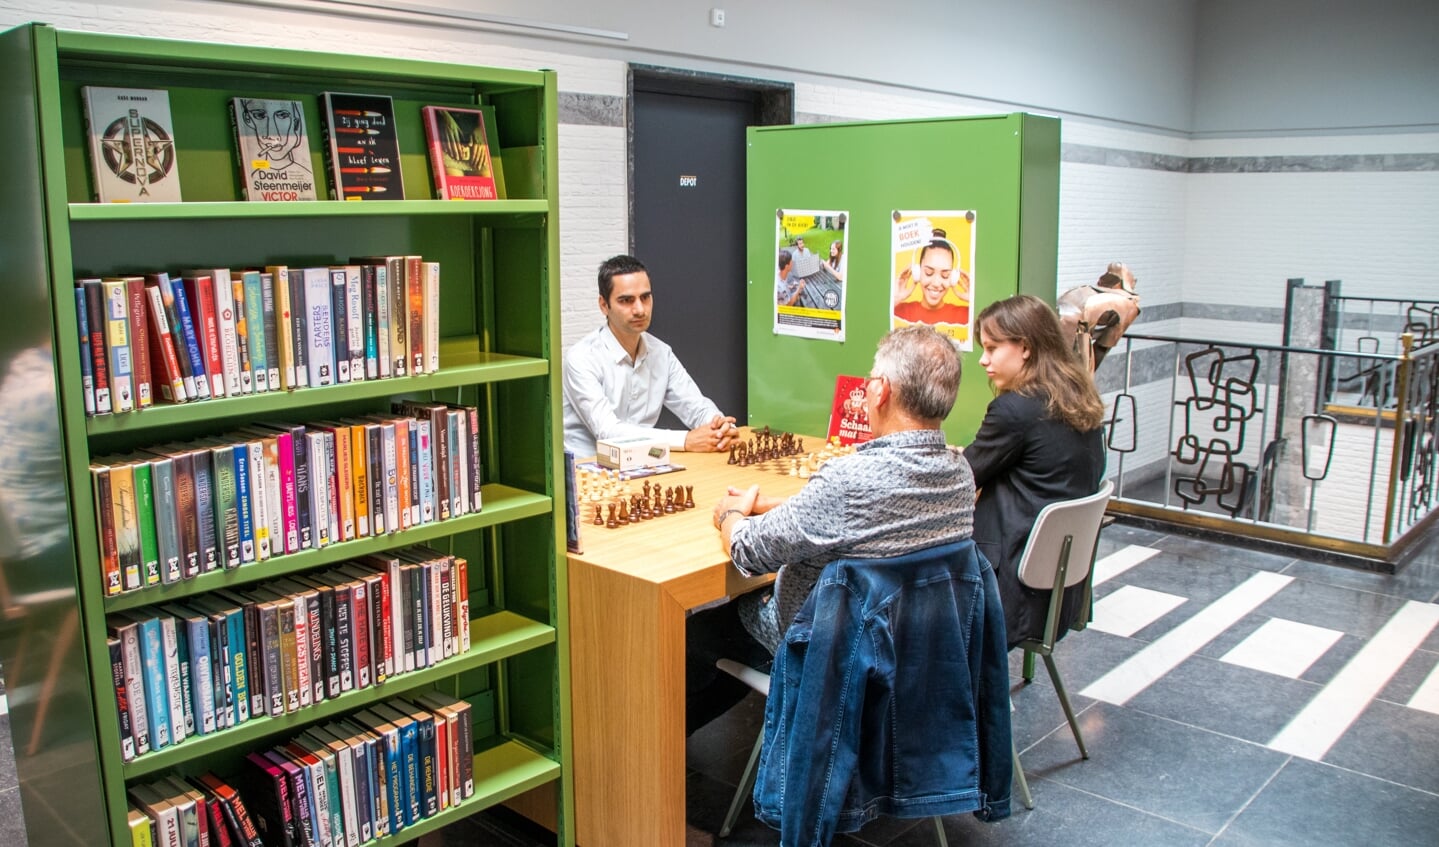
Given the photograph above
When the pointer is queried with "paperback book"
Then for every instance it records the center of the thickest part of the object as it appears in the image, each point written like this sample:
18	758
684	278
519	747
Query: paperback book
362	150
273	149
459	153
132	145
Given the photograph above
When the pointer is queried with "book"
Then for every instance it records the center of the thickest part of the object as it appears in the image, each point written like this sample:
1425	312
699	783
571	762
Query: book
236	813
87	371
132	145
362	149
105	525
320	343
166	371
848	419
116	652
142	829
117	344
200	295
99	362
272	147
139	341
145	508
162	812
127	632
459	153
255	329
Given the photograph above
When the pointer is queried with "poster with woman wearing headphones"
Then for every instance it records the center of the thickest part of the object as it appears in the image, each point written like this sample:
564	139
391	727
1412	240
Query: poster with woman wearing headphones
934	272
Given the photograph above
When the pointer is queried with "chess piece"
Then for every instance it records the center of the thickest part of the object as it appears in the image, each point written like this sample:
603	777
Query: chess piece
670	502
689	496
634	509
612	522
599	521
647	489
624	512
732	449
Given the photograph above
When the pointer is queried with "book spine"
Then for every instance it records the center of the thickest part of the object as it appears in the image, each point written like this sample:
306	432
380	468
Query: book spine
299	326
391	477
360	616
165	367
122	700
412	465
431	274
269	312
127	526
380	644
369	311
182	720
157	697
383	333
243	368
87	363
139	342
244	510
255	669
339	323
375	452
270	649
222	671
360	484
279	299
289	655
345	635
415	297
321	348
285	456
224	297
167	527
331	643
400	428
447	609
427	470
255	330
117	346
419	622
462	602
318	467
209	539
355	321
186	515
435	610
202	691
259	502
105	524
237	631
304	684
274	495
149	542
189	334
132	655
465	745
201	290
99	362
399	315
227	507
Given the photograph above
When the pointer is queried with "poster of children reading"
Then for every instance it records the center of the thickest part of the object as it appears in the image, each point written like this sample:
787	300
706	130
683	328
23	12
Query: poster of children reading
933	271
810	265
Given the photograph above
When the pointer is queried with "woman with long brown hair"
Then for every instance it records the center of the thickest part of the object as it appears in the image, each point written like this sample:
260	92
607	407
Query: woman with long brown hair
1039	443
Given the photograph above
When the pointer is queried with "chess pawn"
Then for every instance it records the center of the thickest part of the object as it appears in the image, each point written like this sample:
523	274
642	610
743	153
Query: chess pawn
732	449
599	521
624	512
634	510
613	521
689	496
670	502
794	467
803	471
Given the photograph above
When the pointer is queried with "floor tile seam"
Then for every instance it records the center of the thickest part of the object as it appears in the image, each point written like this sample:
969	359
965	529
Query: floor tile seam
1252	797
1207	730
1377	778
1063	724
1327	584
1200	654
1120	803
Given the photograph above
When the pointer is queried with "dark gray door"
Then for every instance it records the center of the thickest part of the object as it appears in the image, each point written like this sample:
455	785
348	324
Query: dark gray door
689	207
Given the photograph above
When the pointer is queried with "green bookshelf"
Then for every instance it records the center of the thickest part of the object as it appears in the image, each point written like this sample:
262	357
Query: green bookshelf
499	352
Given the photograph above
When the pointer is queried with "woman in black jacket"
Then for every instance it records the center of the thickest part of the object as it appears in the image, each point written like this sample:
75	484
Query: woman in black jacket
1039	443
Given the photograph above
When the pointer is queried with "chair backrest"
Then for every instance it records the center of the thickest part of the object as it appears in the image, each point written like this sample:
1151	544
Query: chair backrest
1077	520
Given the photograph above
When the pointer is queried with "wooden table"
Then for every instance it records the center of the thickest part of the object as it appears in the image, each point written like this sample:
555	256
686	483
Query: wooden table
629	592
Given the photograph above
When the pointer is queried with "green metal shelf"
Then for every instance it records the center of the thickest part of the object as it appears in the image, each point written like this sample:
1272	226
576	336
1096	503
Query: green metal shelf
314	209
491	367
492	638
502	504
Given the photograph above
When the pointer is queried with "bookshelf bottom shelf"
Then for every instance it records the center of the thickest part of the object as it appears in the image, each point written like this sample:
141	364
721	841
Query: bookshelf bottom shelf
501	772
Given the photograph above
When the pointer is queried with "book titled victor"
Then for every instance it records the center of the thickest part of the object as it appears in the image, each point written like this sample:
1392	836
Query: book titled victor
459	153
361	147
274	150
132	145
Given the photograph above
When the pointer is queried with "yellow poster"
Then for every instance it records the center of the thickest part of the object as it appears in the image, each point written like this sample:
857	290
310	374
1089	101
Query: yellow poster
933	272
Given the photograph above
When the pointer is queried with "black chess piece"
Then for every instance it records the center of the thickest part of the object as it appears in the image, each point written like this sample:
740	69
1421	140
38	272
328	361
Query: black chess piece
689	496
599	521
732	449
625	512
613	521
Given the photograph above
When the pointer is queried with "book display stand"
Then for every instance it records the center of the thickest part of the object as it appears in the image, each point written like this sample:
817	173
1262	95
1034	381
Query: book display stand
499	346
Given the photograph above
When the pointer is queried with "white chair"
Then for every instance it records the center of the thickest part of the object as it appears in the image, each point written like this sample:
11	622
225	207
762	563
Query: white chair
1059	555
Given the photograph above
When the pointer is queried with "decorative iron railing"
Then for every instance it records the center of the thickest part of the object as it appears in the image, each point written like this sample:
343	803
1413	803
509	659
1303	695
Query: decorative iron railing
1245	437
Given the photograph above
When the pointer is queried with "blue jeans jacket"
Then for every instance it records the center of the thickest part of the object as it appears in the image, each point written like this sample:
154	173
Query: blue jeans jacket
889	695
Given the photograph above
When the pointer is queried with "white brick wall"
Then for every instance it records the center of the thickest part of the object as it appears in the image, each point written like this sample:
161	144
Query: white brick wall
593	219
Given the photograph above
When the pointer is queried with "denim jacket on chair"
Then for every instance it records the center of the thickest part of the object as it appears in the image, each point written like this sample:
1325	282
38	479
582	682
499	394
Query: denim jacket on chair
889	695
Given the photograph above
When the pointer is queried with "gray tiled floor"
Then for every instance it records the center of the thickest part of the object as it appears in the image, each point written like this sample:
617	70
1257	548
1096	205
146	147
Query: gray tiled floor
1185	761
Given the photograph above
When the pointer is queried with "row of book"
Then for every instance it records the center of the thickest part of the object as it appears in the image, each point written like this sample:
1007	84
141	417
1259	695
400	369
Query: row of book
216	661
215	332
340	784
175	511
362	150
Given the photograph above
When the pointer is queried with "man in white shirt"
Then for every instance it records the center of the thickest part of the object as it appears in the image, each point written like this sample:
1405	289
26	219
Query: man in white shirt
618	378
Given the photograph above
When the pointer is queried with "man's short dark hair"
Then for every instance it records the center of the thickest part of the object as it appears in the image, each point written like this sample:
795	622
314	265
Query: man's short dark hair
617	266
785	257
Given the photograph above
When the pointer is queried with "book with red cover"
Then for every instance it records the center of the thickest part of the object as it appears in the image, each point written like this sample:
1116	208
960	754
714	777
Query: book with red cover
459	153
848	420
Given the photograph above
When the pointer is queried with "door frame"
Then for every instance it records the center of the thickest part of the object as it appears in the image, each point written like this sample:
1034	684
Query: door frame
773	99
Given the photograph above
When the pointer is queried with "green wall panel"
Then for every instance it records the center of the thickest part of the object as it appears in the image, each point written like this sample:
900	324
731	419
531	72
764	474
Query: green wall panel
1004	167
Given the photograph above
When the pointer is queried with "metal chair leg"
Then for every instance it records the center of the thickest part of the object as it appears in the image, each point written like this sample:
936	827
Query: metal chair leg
1064	701
1019	777
1028	667
746	787
939	832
